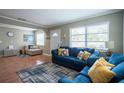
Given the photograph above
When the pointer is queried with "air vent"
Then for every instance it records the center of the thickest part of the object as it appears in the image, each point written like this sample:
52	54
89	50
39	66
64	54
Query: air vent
21	19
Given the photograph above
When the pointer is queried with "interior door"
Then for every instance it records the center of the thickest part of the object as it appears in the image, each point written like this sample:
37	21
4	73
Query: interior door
55	38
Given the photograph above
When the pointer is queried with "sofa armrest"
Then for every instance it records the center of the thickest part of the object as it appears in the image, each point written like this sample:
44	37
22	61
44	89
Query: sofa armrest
90	61
54	52
65	80
121	81
96	53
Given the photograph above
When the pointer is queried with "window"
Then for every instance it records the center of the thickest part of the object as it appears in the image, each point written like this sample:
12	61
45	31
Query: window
55	35
97	35
29	39
94	36
78	37
40	39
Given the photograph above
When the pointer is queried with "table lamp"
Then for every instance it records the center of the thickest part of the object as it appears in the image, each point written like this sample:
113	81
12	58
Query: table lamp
110	46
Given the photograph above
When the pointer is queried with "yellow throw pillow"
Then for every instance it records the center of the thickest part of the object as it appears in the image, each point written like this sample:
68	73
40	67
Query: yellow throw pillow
86	55
60	51
100	71
105	63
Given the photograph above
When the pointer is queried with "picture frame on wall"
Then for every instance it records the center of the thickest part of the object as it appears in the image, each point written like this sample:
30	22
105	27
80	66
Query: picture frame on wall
29	39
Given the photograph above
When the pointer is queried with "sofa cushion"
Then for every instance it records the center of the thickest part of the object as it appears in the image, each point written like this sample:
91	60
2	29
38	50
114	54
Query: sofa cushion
68	61
73	60
74	51
79	63
85	71
65	58
66	47
82	79
65	80
96	53
91	50
119	70
116	59
90	61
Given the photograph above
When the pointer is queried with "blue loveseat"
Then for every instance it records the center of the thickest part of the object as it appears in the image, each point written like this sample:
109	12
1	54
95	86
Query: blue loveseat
72	61
82	77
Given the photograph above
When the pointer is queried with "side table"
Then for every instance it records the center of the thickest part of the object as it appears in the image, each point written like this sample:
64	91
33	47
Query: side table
8	52
105	53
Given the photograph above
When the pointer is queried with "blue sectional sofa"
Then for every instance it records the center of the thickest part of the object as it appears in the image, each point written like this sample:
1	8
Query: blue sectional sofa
82	77
72	61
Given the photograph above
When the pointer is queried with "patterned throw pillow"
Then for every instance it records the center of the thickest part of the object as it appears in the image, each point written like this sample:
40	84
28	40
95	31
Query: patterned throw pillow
83	55
86	55
100	71
80	55
65	52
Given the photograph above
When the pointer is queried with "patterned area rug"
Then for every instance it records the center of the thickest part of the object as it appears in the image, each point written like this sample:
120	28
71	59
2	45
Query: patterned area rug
45	73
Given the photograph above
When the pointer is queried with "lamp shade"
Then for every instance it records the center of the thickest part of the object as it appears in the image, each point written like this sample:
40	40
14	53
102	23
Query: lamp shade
110	44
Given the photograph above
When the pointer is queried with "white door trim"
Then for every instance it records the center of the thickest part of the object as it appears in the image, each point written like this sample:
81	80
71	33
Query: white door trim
59	40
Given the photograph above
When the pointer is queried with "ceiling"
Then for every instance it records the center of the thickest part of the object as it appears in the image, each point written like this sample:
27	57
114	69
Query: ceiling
53	17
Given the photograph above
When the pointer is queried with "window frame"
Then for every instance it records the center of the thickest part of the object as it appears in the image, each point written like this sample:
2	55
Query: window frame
37	39
86	34
70	43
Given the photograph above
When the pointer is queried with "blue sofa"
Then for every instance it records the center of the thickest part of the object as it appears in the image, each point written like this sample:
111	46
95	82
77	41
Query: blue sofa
82	77
72	61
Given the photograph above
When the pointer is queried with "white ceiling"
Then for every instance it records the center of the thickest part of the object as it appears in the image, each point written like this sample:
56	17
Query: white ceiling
52	17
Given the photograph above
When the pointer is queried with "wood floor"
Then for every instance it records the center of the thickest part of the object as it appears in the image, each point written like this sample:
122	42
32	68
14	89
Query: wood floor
10	65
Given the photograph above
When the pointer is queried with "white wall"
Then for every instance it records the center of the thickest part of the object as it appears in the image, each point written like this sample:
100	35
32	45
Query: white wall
17	39
115	28
123	32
